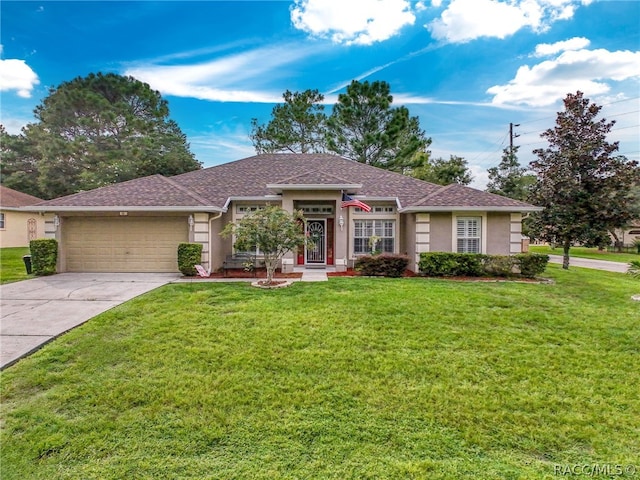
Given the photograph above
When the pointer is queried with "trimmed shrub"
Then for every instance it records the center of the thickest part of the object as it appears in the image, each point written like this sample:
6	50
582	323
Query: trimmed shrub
189	255
44	256
447	264
499	265
382	265
532	264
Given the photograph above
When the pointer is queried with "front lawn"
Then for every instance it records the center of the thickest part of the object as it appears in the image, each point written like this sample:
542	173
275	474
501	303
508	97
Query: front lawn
584	252
348	379
12	267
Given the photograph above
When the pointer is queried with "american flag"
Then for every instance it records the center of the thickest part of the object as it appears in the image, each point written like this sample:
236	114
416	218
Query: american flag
348	201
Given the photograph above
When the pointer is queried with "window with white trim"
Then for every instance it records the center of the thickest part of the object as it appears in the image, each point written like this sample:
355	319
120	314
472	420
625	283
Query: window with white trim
377	209
469	234
248	208
384	230
2	221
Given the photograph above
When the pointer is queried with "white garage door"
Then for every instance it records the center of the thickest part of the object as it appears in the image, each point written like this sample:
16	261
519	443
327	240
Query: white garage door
123	244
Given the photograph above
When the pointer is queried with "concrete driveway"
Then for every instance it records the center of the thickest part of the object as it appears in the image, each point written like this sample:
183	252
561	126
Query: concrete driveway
34	312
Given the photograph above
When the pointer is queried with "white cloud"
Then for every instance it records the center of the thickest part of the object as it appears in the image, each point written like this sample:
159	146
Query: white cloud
17	75
547	49
240	77
436	3
589	71
466	20
360	22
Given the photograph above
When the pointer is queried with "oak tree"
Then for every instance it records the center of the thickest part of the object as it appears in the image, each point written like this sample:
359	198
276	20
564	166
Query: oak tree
443	172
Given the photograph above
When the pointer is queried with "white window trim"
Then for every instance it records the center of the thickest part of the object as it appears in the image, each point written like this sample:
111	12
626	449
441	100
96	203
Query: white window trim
376	219
483	229
3	218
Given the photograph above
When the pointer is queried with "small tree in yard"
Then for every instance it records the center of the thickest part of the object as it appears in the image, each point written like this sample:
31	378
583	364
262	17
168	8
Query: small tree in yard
583	188
272	230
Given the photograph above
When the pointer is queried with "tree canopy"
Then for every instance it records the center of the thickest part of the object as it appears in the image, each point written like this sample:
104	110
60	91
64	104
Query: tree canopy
584	188
441	171
296	126
364	127
509	178
94	131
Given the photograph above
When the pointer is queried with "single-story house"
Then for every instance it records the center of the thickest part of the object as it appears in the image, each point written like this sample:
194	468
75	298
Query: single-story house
18	227
135	226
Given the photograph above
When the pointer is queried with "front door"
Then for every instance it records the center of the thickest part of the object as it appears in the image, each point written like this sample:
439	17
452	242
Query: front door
317	233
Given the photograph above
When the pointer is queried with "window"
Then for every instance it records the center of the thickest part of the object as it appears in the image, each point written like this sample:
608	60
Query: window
365	229
377	210
248	208
469	234
310	209
2	221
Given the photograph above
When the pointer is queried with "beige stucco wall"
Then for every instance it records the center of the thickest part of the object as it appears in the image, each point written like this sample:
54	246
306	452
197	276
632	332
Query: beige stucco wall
498	233
440	232
220	246
15	232
407	237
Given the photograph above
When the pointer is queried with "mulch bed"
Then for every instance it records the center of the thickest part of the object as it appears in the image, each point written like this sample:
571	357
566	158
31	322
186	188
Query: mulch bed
260	273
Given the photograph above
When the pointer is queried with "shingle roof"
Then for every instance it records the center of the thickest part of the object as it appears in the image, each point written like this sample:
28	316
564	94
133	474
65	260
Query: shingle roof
13	198
152	191
251	176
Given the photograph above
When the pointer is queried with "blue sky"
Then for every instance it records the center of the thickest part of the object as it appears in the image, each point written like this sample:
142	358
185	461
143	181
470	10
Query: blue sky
466	68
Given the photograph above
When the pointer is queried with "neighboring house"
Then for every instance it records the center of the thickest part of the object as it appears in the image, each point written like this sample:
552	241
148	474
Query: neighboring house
17	226
135	226
628	236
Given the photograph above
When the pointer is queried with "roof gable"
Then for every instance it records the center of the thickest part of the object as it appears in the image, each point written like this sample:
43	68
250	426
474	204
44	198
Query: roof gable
12	198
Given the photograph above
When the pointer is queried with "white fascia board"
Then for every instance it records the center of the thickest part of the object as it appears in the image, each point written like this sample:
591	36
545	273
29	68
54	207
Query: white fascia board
313	186
454	208
377	199
121	208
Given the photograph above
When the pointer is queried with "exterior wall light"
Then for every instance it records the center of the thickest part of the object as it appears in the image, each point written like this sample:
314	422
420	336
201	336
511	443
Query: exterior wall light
341	222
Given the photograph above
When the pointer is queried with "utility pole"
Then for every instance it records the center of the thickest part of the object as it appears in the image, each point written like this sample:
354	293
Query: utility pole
512	136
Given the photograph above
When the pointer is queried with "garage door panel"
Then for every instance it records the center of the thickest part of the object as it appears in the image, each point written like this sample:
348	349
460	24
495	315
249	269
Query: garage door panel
123	244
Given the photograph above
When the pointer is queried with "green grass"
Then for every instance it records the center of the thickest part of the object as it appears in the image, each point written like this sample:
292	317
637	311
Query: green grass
583	252
12	267
348	379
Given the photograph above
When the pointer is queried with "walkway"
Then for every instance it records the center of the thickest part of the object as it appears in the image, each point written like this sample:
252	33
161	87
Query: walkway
312	275
588	263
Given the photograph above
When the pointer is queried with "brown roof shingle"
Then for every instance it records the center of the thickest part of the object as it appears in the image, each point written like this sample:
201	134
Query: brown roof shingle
12	198
249	177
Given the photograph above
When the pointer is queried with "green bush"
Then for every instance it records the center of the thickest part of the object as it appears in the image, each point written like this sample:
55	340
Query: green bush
448	264
498	265
382	265
189	255
532	264
44	256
